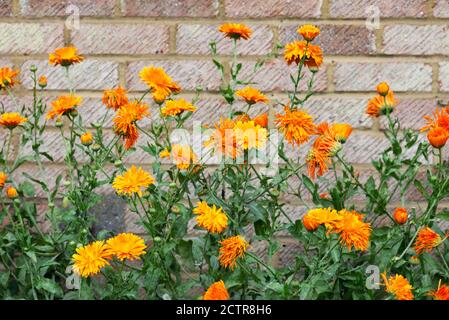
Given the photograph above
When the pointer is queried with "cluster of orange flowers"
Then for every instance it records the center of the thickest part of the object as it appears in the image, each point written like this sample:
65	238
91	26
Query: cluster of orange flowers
382	104
437	127
10	191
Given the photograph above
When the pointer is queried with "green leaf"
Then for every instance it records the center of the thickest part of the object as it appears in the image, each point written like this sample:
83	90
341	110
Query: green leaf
49	286
27	188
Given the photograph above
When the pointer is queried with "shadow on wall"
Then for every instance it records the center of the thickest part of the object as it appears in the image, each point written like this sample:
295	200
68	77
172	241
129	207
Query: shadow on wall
109	214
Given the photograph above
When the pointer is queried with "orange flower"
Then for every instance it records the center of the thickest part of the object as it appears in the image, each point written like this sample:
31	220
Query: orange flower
249	135
400	215
298	51
125	119
438	137
309	32
217	291
132	181
383	88
63	105
341	131
296	125
231	249
426	240
65	56
11	192
159	82
440	119
212	219
261	120
115	98
183	156
320	216
442	293
42	82
125	246
352	230
88	260
86	138
3	177
398	286
175	107
381	105
223	139
7	78
251	95
12	120
235	31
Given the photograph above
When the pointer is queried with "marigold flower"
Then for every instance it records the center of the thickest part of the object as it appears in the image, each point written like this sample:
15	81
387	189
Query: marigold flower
442	293
86	138
261	120
12	193
42	82
217	291
223	139
398	286
65	56
400	215
115	98
438	137
183	156
63	105
164	154
132	181
212	219
125	121
440	119
352	230
298	51
381	105
159	82
251	95
88	260
236	31
8	77
320	216
296	125
125	246
341	131
426	240
231	249
3	177
383	88
12	120
250	135
175	107
309	32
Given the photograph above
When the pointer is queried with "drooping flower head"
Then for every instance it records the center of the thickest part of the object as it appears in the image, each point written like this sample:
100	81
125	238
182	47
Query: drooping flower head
132	181
400	215
438	137
63	105
251	95
426	240
176	107
296	125
8	77
12	120
65	56
341	131
231	249
298	51
125	121
159	82
381	105
125	246
88	260
261	120
352	230
442	293
183	156
217	291
398	286
212	219
309	32
115	98
235	31
320	216
249	135
3	178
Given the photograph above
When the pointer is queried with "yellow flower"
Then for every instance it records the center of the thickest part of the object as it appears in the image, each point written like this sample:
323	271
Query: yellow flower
88	260
175	107
352	230
383	88
7	78
426	240
299	50
42	82
235	31
132	181
125	121
65	56
63	105
398	286
164	154
320	216
217	291
125	246
3	177
11	120
251	95
231	249
212	219
86	138
341	131
308	31
159	82
249	135
296	125
183	156
115	98
12	193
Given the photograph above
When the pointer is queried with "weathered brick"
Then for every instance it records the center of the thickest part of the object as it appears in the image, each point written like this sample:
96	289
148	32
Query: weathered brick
361	8
174	8
444	76
402	76
48	175
195	39
187	73
87	75
30	38
5	8
273	8
410	112
288	252
132	222
41	8
441	9
121	38
337	39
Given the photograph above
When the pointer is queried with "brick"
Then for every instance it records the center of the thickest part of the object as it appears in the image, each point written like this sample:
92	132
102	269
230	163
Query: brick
360	8
48	176
272	8
121	39
42	8
92	110
402	76
444	76
410	113
337	39
5	8
174	8
195	39
187	73
416	40
441	9
30	38
87	75
132	224
289	250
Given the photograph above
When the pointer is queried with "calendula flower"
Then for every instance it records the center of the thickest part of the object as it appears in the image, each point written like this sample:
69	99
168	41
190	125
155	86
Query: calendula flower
398	286
132	181
352	230
183	156
341	131
438	137
12	120
125	121
217	291
426	240
223	139
298	51
12	193
381	105
309	32
88	260
212	219
175	107
440	119
7	77
115	98
86	138
297	126
400	215
251	95
231	249
3	178
63	105
164	154
159	82
261	120
383	88
317	163
42	82
65	56
236	31
442	293
250	135
125	246
320	216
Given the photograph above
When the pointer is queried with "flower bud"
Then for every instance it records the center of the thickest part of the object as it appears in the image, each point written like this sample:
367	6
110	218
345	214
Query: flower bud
74	113
96	147
400	215
157	239
42	82
33	68
87	139
175	209
383	88
12	193
172	185
152	210
51	205
118	163
59	123
65	202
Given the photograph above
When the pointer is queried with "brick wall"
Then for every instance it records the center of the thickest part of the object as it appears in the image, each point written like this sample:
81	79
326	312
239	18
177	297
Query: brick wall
409	49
